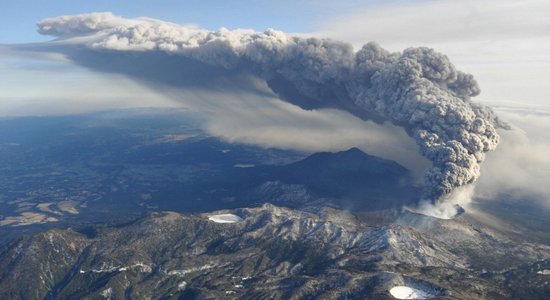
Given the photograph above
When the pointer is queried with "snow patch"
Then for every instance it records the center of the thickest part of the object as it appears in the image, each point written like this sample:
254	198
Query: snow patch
107	293
107	268
225	218
182	273
405	292
182	285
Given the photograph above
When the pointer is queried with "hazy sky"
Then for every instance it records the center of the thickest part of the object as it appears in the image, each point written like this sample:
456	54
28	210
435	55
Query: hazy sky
505	44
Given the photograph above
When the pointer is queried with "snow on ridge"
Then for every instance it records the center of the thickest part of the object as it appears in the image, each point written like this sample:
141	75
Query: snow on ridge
405	292
182	273
106	268
225	218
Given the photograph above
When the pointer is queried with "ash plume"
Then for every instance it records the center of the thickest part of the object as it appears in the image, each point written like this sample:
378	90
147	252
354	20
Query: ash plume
418	89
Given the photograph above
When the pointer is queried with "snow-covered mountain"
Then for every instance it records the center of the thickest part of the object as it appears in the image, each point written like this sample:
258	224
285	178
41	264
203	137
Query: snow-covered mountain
273	252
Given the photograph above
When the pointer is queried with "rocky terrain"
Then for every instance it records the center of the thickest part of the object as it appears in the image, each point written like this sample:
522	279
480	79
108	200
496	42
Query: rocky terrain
272	252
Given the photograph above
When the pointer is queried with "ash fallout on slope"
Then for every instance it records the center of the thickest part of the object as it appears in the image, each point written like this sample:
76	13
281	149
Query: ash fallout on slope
418	89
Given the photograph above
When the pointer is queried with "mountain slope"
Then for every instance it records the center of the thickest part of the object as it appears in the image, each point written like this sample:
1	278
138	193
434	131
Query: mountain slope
348	179
273	252
367	181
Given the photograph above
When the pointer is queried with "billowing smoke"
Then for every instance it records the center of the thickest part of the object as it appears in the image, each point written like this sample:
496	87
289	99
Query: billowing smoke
418	89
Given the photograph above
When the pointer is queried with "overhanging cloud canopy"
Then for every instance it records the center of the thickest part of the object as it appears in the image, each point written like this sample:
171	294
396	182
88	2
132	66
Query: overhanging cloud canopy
418	89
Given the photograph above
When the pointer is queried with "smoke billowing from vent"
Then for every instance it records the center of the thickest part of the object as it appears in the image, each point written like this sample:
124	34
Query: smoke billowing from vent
418	89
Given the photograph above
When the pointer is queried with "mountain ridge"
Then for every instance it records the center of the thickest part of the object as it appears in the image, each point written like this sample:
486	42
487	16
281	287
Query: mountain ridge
325	253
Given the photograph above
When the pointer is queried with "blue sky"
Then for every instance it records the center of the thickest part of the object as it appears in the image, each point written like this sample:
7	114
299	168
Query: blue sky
21	16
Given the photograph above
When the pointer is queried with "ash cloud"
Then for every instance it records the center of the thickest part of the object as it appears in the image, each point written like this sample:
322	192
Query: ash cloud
418	89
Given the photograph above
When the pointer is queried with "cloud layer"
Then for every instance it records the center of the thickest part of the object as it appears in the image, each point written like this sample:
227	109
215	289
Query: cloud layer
520	168
418	89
